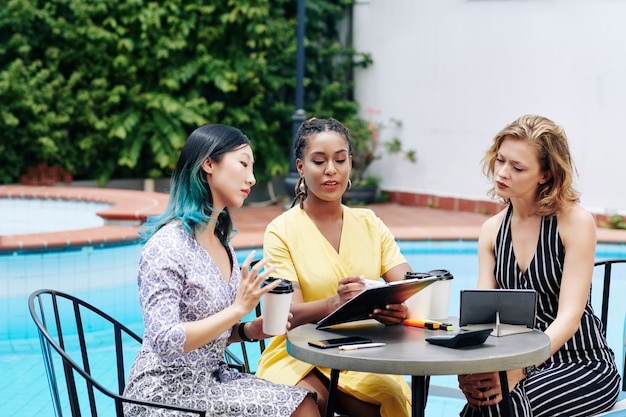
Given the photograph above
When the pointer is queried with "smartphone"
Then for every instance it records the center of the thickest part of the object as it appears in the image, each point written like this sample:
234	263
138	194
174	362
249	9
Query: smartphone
340	341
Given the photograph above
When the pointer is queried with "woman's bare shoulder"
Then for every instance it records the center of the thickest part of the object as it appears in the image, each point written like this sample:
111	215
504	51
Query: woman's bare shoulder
574	216
490	228
494	222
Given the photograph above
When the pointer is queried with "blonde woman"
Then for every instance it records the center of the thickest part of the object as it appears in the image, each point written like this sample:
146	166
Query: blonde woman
544	240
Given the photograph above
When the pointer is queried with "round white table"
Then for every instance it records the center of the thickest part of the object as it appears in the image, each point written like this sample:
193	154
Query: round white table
407	353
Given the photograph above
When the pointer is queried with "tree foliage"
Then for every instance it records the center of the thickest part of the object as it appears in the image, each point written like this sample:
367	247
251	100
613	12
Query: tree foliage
112	88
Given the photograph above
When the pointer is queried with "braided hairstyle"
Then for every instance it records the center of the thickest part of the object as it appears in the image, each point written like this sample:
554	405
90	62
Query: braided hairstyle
314	126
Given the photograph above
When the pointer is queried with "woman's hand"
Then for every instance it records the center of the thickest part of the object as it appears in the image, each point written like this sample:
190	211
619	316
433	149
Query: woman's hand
481	389
485	389
349	287
254	329
391	314
249	291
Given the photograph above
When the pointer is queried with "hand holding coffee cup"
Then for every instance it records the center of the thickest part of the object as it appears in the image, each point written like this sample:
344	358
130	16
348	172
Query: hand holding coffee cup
275	306
249	292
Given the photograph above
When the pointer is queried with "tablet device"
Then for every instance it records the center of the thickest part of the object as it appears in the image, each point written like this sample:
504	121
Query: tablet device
514	307
361	306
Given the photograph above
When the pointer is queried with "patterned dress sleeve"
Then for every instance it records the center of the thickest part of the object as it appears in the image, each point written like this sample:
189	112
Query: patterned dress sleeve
161	282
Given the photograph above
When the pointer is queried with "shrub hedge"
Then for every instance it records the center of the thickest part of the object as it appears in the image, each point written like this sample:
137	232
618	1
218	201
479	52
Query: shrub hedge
111	88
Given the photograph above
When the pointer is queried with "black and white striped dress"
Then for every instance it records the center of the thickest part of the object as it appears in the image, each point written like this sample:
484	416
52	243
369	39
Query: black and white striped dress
581	379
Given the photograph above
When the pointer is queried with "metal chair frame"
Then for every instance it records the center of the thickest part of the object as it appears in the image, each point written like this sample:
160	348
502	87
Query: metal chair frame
53	339
606	265
243	365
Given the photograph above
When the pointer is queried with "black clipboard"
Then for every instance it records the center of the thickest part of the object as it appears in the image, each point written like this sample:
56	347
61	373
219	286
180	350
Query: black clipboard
360	307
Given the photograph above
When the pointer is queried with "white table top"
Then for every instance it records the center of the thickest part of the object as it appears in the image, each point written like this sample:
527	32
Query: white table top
407	352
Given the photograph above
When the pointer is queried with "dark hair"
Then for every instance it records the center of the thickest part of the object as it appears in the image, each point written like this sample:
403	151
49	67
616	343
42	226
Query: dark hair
191	199
308	128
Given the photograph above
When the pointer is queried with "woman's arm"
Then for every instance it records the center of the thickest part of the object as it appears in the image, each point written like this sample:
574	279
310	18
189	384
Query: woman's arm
486	256
578	234
199	333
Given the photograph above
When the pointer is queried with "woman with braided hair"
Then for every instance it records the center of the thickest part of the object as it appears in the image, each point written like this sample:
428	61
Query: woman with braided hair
329	251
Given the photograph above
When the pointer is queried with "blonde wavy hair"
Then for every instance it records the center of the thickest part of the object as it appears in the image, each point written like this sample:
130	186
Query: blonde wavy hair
550	141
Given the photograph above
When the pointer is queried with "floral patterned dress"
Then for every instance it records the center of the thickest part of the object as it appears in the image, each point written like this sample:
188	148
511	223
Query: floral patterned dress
179	282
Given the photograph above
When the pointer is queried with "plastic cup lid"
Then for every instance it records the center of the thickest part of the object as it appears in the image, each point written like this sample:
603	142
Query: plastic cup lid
284	287
418	275
442	274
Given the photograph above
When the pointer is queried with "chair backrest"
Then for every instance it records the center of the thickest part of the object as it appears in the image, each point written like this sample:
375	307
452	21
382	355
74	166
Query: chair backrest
606	266
85	351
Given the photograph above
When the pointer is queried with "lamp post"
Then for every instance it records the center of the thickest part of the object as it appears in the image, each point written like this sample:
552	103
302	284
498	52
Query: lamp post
298	116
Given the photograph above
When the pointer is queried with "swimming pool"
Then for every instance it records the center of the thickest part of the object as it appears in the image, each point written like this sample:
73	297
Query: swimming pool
51	215
26	393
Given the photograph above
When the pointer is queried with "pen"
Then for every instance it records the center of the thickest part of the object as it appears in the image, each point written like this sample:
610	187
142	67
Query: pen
361	346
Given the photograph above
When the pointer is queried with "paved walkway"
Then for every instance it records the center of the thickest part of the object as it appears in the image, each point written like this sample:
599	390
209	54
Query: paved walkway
405	222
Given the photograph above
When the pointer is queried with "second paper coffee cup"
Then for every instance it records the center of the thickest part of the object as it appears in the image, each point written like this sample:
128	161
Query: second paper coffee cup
440	294
275	306
419	303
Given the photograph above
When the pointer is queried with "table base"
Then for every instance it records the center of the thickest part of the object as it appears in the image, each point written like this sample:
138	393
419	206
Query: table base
419	394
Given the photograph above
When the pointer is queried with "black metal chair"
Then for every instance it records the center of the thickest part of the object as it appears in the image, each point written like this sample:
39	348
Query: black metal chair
85	375
606	267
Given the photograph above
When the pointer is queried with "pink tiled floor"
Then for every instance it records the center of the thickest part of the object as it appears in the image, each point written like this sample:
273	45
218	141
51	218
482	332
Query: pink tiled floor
407	222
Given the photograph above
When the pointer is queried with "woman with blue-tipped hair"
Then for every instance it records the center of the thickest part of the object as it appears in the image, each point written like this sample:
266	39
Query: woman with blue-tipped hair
193	292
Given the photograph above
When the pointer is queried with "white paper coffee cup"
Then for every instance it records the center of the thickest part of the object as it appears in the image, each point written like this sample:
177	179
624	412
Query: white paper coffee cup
275	306
440	295
419	304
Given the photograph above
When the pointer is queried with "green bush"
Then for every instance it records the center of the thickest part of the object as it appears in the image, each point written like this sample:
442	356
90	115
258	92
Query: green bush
111	88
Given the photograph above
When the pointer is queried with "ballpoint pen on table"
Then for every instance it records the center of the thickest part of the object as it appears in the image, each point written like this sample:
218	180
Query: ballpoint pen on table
361	346
428	324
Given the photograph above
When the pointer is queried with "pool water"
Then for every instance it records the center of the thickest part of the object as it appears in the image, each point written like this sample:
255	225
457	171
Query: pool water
52	215
25	392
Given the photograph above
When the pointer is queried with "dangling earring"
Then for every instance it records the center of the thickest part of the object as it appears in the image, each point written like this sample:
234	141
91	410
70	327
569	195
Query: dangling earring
349	183
302	187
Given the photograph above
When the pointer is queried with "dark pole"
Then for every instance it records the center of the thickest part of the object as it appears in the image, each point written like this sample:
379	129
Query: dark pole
298	116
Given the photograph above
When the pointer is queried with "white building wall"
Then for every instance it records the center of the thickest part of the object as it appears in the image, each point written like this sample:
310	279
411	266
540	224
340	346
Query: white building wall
457	71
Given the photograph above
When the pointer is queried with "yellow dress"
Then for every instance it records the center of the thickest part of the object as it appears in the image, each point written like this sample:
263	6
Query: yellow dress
302	254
